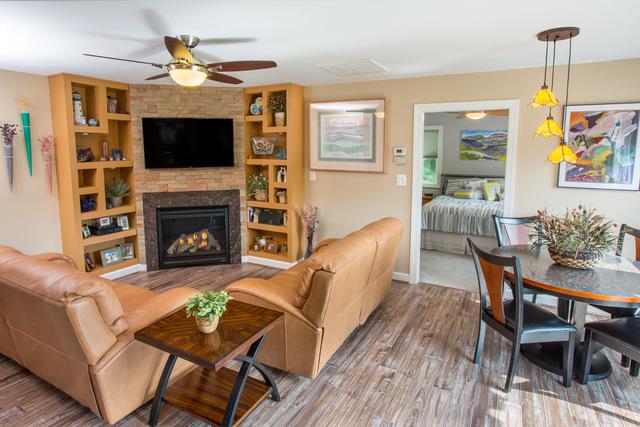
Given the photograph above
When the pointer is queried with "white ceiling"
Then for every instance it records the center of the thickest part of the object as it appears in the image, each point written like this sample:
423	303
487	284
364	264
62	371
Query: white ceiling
410	38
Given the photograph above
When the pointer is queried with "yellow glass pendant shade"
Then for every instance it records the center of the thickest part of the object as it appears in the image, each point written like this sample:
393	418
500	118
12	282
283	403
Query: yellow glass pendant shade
549	128
544	98
562	153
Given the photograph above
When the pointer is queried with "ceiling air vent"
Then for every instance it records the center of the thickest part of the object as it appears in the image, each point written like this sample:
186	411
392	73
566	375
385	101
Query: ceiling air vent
354	68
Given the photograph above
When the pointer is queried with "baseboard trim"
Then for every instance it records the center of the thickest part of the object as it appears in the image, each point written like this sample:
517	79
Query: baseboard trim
400	277
125	271
267	262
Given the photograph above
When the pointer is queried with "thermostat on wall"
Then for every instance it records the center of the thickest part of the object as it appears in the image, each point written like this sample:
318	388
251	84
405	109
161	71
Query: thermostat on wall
400	155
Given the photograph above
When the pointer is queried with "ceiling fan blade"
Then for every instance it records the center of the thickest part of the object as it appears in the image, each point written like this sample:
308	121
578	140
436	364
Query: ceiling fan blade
153	64
242	65
158	76
177	49
497	112
227	40
224	78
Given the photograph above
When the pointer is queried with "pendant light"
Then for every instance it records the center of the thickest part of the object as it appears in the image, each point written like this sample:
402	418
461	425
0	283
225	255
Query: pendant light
545	96
549	126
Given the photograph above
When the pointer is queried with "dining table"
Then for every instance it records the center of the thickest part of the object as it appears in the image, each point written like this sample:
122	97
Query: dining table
614	281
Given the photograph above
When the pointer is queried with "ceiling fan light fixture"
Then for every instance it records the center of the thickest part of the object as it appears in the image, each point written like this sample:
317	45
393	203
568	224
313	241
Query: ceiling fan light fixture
476	115
187	75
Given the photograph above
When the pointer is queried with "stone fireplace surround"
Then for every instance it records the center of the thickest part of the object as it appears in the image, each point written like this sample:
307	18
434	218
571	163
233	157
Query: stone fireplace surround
152	201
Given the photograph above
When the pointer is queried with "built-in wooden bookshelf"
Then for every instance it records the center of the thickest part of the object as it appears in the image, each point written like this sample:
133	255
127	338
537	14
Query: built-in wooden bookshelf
87	179
289	138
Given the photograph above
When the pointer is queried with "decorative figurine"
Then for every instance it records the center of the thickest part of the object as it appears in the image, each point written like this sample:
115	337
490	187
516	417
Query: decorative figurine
281	176
281	154
105	150
78	117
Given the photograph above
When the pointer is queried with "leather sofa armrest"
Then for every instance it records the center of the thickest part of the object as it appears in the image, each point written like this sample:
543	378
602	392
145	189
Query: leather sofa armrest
260	289
325	242
57	258
157	307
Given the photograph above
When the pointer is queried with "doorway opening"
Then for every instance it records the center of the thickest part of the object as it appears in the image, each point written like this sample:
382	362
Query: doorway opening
463	173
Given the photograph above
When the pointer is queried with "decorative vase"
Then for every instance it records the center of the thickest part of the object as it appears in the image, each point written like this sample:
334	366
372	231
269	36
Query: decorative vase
309	250
581	260
206	325
279	118
116	201
260	195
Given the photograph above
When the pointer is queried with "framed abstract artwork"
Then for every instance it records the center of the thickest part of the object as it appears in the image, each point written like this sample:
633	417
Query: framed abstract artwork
347	135
605	139
483	145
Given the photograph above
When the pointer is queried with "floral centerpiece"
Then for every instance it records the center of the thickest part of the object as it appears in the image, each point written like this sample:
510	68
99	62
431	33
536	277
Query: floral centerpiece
309	217
207	307
258	186
578	239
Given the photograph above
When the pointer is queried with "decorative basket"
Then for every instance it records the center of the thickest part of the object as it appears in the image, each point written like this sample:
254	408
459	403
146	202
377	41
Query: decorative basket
260	195
583	260
262	146
206	325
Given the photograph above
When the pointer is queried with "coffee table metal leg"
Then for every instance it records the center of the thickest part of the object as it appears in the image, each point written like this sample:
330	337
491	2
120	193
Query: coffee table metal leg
162	388
275	394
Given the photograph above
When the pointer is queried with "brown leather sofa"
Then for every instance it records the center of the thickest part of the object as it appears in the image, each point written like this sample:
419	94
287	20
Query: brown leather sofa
325	297
75	331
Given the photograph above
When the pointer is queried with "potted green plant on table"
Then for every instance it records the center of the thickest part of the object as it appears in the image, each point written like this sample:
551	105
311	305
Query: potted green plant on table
278	105
207	307
258	186
578	239
116	190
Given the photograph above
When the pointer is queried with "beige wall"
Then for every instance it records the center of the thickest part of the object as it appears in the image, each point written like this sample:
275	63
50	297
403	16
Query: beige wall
350	200
29	219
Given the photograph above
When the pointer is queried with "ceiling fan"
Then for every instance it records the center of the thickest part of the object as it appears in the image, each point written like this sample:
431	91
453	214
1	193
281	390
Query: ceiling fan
187	70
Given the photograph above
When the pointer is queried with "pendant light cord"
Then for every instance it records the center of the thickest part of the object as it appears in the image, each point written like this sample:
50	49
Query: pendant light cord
553	65
566	99
546	60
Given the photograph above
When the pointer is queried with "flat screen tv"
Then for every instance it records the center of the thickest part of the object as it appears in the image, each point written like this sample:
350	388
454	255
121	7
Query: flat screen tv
187	143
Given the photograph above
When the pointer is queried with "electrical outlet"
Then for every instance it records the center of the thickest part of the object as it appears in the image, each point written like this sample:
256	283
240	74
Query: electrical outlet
401	180
312	175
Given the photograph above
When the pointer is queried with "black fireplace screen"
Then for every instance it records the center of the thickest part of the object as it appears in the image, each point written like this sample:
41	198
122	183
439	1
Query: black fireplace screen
193	236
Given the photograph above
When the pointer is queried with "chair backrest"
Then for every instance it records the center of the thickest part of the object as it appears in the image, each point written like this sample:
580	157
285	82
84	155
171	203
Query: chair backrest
490	270
632	231
513	231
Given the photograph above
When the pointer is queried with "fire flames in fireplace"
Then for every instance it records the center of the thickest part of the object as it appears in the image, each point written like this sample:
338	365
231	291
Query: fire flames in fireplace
192	243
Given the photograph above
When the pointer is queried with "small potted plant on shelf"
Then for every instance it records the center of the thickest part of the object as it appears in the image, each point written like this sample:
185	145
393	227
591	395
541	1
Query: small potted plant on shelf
207	308
278	105
258	186
116	190
578	239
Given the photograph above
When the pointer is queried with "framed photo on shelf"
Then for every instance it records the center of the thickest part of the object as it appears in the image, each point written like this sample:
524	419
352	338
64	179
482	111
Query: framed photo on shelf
104	221
111	256
271	246
86	232
123	222
347	135
127	250
605	139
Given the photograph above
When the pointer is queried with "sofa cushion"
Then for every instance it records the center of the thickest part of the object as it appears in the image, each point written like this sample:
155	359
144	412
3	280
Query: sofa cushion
330	258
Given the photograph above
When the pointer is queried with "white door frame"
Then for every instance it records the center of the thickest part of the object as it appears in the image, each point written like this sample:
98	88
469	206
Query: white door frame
419	110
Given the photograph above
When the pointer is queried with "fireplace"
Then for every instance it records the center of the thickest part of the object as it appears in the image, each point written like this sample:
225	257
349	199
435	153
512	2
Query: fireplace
193	236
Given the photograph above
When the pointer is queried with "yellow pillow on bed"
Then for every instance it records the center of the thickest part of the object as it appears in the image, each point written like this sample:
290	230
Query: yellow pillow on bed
468	194
492	191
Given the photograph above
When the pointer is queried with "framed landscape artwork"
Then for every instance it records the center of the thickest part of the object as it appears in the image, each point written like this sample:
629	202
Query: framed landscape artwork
605	139
347	135
483	145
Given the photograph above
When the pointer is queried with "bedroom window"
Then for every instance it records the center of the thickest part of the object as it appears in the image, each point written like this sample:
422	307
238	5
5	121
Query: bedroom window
432	156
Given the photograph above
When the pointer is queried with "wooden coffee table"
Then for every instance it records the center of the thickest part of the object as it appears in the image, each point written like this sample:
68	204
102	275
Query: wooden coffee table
212	392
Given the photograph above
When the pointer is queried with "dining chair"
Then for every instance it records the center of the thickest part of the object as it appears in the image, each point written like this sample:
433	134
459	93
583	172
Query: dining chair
621	334
518	320
621	312
515	231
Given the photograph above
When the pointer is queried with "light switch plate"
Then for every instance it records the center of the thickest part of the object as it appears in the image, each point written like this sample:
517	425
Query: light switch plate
401	180
312	175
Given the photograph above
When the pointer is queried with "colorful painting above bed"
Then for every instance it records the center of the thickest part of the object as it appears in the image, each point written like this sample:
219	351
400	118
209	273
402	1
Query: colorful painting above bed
605	140
483	145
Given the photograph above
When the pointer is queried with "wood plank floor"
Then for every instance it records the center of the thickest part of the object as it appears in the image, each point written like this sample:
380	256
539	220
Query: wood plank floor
409	365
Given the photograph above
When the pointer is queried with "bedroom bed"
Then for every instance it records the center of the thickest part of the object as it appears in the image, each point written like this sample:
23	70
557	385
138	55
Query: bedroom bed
448	221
